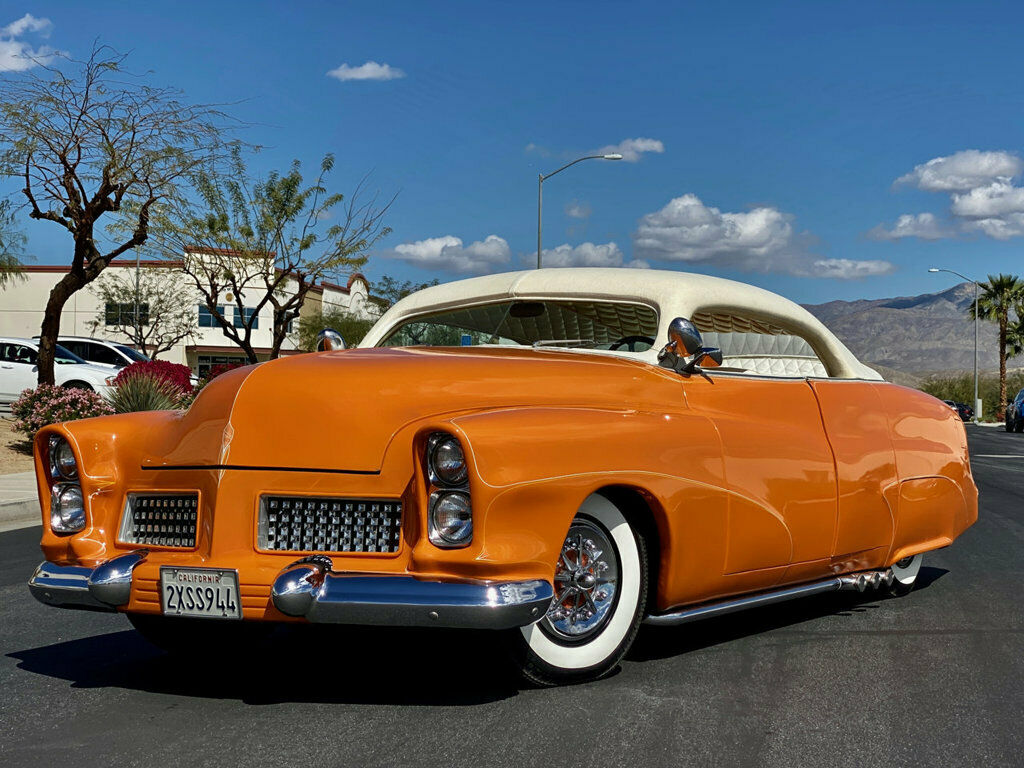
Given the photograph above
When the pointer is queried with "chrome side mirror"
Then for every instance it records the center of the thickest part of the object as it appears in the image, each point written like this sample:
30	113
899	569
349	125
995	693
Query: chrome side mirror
685	351
329	339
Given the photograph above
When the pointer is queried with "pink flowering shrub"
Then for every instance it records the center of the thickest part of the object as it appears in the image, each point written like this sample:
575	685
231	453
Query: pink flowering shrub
221	368
178	376
47	404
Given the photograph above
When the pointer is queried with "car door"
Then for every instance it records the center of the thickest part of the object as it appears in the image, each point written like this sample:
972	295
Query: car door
17	370
780	471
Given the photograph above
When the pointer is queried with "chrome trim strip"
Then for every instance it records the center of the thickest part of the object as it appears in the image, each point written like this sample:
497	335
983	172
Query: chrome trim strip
742	603
104	588
311	589
855	581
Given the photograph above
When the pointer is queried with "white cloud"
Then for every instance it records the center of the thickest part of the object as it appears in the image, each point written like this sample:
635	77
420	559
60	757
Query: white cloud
589	255
449	254
578	210
851	269
17	55
963	171
632	149
760	240
983	198
371	70
924	226
27	23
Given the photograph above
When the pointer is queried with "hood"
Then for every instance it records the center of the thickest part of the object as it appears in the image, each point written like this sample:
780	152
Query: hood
340	410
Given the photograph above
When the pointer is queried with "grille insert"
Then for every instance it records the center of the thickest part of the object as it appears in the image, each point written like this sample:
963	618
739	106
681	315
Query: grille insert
329	524
160	519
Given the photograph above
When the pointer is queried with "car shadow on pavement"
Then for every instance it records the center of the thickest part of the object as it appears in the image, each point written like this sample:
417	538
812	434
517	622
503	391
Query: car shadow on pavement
361	665
665	642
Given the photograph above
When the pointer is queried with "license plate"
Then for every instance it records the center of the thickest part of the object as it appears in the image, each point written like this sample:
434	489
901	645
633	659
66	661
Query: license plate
210	593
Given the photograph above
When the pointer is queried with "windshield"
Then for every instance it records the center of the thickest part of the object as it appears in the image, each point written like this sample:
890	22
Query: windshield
65	356
549	323
135	355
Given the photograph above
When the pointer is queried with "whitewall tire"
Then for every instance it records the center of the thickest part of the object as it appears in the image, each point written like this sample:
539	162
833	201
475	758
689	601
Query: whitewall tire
600	598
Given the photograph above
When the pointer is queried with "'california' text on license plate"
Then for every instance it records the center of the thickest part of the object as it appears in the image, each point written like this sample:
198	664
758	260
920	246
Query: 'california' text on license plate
204	592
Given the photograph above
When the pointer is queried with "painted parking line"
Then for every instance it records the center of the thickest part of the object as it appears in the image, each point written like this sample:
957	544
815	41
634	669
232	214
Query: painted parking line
997	455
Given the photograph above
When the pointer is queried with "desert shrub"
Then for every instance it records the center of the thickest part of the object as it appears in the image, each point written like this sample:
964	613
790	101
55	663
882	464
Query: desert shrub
144	392
175	374
960	388
48	404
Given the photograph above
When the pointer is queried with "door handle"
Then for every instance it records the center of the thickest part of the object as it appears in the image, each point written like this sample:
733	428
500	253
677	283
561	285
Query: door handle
6	366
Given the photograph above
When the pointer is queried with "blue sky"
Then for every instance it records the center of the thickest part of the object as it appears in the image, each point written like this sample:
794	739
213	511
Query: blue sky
782	128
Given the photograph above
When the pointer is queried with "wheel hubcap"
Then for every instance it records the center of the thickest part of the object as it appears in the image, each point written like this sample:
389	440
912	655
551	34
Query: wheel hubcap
586	581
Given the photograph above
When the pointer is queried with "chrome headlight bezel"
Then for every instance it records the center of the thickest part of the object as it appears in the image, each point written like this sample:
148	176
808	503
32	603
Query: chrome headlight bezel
67	514
61	460
437	443
441	535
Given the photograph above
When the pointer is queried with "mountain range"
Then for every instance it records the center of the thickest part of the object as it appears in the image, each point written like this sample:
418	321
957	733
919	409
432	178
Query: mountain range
910	337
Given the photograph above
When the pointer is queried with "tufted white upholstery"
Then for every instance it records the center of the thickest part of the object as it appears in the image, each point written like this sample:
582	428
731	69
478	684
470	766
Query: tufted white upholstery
768	354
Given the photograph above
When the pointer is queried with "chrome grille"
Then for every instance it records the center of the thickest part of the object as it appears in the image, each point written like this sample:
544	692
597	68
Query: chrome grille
160	519
328	524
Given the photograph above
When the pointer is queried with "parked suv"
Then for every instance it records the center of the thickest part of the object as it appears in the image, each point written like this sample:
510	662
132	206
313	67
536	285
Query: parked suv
1015	413
101	352
18	370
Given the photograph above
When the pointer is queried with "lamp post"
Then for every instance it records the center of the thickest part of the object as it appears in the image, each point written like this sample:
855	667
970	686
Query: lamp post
540	188
952	272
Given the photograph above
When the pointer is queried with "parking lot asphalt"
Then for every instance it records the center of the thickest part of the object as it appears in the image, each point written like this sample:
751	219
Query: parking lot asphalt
934	678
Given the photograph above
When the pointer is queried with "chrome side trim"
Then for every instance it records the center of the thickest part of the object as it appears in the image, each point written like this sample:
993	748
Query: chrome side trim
311	589
104	588
858	582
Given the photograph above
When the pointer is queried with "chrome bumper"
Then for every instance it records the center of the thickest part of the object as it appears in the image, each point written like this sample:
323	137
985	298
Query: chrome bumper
103	588
311	589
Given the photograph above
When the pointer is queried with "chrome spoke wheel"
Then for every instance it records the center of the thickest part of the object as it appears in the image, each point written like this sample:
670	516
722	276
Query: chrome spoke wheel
586	583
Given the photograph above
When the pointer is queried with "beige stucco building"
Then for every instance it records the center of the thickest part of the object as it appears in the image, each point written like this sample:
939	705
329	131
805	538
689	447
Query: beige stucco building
22	302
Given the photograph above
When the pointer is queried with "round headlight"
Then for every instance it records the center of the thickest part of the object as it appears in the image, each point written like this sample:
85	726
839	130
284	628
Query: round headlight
452	519
62	460
67	510
448	461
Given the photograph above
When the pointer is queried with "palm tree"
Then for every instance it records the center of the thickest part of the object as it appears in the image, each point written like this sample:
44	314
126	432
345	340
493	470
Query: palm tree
1000	296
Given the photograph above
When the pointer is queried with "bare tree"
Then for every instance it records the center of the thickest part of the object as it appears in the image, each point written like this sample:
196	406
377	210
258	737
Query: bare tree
251	242
85	138
153	308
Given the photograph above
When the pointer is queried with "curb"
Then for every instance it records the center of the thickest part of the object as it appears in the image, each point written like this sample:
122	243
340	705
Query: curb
19	513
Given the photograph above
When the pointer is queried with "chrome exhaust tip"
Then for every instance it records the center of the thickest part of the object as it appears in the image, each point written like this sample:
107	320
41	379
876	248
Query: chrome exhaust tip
858	582
875	579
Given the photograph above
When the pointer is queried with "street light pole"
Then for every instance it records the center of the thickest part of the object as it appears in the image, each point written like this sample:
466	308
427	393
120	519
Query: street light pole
540	190
975	282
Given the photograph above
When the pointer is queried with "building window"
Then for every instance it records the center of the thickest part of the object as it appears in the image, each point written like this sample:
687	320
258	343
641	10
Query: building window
206	362
242	320
120	314
206	318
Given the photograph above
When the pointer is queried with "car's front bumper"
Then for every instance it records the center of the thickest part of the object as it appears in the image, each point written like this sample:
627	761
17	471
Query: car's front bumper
312	590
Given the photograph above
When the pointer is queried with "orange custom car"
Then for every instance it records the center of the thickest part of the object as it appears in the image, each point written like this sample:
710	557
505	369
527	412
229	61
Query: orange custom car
556	454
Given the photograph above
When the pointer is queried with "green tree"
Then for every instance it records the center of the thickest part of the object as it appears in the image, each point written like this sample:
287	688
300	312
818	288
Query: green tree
253	241
166	308
12	244
84	139
351	327
999	297
388	291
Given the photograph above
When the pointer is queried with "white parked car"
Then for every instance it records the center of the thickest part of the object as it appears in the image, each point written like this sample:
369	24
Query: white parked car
18	370
108	354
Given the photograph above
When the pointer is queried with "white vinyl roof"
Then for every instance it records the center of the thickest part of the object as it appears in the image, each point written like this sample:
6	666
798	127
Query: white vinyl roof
714	303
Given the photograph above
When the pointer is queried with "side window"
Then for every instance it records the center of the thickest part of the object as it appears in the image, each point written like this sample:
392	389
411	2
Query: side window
19	353
79	348
101	354
758	347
